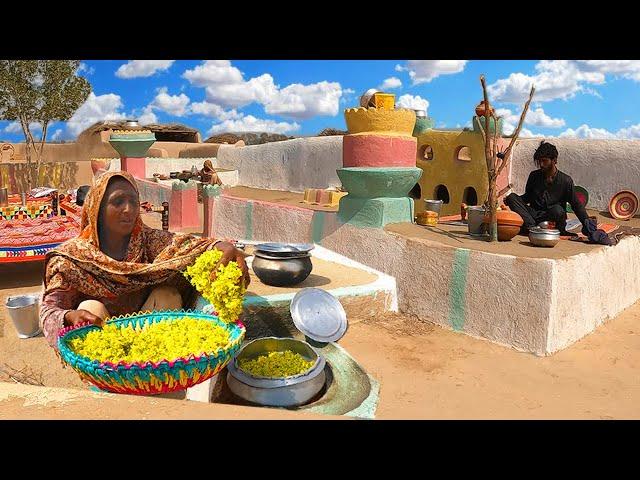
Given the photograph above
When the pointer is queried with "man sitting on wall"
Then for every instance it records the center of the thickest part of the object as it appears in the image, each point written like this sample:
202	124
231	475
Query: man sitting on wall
547	192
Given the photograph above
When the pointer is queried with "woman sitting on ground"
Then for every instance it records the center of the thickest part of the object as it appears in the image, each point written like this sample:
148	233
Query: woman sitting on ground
118	265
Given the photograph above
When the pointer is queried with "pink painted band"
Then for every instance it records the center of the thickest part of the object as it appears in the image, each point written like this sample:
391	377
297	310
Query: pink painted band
378	151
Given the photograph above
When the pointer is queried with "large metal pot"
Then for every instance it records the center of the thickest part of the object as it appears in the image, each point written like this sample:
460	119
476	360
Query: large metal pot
279	271
544	237
277	392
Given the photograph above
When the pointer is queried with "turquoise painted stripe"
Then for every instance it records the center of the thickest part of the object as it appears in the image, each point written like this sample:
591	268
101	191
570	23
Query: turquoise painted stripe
249	221
457	288
317	227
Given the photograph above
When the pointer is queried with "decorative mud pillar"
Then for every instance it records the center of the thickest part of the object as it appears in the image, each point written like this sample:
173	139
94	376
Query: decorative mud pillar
183	205
133	145
379	160
209	195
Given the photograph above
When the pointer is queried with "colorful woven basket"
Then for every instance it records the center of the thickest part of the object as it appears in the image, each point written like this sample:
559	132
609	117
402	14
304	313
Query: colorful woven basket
144	378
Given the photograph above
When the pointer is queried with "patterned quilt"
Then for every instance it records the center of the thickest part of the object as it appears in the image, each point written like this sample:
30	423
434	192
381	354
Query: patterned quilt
28	233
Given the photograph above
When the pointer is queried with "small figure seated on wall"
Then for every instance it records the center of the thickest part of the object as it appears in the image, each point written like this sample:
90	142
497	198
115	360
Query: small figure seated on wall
547	192
118	265
209	175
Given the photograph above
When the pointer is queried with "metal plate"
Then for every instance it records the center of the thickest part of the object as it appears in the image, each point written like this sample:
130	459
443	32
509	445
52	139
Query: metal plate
285	247
319	315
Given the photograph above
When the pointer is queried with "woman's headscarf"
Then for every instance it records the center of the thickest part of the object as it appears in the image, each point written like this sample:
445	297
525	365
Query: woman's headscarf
153	256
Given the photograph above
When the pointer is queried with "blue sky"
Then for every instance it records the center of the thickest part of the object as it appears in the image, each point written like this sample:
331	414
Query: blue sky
584	98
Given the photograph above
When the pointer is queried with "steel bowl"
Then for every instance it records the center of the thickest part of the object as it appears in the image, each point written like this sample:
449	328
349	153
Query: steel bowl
542	237
433	205
281	271
277	392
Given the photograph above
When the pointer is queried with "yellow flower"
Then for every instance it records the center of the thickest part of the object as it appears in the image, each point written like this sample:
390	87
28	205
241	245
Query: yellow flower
226	293
168	340
276	364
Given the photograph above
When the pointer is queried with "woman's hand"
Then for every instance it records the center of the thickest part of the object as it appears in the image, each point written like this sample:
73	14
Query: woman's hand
231	253
76	317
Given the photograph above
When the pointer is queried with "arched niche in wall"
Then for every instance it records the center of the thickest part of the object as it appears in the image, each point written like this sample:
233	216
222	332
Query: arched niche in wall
442	193
470	196
463	153
416	192
425	152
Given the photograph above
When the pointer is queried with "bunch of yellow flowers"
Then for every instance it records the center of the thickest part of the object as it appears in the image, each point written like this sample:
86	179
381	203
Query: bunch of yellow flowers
276	364
154	342
226	292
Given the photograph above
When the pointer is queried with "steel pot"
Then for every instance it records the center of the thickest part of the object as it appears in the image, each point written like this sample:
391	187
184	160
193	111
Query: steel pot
475	219
281	271
544	237
277	392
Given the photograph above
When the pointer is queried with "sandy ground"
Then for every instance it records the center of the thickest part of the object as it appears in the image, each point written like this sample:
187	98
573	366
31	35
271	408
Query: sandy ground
458	236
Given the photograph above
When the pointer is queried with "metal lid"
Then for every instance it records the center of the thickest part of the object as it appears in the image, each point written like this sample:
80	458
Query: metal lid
420	113
285	247
319	315
132	123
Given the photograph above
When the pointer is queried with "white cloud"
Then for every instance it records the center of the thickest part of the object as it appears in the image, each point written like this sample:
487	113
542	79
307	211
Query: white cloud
585	131
213	72
391	82
561	79
306	101
413	102
142	68
625	68
175	105
213	110
253	124
233	95
148	116
96	109
226	87
84	68
423	71
15	127
535	116
57	135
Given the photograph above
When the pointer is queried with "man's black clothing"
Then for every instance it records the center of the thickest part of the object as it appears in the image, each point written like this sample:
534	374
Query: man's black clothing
547	201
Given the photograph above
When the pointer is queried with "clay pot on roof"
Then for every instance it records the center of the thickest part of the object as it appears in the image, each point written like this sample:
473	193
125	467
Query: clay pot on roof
481	109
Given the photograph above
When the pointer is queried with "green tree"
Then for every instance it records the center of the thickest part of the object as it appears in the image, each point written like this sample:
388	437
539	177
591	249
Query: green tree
40	91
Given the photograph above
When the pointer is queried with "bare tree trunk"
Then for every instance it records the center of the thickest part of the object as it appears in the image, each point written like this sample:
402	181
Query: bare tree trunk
495	167
491	165
27	150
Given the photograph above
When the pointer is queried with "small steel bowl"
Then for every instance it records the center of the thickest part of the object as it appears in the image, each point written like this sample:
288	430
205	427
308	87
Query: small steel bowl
541	237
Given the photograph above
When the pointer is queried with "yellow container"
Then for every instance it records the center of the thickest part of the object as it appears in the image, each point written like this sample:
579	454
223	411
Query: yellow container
385	101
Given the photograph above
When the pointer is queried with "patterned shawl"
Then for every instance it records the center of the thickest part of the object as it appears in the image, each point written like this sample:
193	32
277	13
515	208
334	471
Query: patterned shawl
153	256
